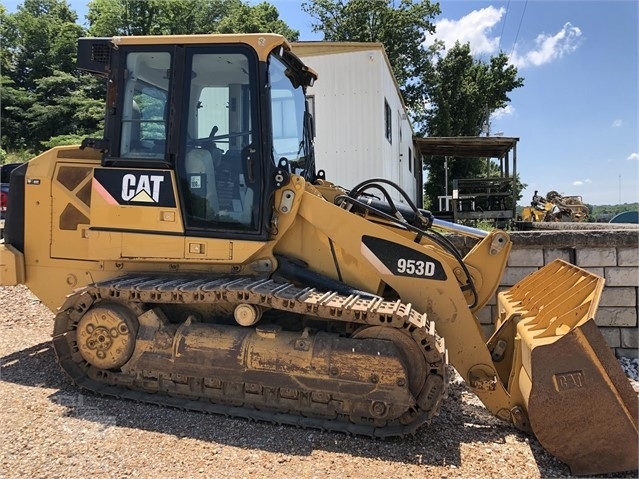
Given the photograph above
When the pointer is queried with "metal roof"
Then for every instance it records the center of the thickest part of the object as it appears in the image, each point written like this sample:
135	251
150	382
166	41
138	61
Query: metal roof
466	146
308	49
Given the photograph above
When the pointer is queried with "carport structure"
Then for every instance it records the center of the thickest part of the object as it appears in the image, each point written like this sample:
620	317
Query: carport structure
491	197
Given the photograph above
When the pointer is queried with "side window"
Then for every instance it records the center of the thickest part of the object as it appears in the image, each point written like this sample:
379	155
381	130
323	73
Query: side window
388	123
288	106
286	140
144	108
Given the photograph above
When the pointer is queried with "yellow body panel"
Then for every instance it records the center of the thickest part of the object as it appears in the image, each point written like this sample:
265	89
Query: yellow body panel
443	302
11	266
61	202
262	43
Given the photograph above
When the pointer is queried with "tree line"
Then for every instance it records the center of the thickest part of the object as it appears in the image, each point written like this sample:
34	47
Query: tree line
45	101
603	213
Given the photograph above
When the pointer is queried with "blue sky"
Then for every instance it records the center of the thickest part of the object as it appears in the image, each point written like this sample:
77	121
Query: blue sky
576	115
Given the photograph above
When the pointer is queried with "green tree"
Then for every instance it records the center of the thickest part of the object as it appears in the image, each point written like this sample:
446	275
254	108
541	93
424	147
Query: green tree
461	95
169	17
463	91
46	33
14	128
41	92
244	18
399	26
13	100
149	17
63	108
7	39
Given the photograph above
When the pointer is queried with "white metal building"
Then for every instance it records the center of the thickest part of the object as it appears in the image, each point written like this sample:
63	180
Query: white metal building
361	123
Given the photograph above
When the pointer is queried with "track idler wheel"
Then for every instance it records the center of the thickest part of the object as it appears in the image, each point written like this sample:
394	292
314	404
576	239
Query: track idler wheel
106	335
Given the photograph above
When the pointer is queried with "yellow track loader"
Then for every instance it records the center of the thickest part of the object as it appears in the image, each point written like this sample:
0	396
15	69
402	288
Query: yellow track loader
195	258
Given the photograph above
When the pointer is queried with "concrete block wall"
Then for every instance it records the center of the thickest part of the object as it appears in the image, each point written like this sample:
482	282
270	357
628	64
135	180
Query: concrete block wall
612	254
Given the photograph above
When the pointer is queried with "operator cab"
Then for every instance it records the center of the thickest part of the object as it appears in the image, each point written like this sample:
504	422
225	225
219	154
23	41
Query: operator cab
223	119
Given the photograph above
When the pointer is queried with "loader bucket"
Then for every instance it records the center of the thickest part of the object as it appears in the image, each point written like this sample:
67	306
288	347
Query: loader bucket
580	404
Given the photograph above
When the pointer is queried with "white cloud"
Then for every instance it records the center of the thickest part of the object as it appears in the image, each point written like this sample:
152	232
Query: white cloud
633	156
500	113
474	28
582	182
617	123
549	47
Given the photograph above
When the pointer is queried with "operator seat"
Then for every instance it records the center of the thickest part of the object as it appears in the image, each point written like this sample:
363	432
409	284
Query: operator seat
234	194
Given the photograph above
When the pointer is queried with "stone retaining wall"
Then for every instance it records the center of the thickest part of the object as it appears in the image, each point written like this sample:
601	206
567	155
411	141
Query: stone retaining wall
612	254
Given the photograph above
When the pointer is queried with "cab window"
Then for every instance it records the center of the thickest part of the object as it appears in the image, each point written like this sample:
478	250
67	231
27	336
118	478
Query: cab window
143	128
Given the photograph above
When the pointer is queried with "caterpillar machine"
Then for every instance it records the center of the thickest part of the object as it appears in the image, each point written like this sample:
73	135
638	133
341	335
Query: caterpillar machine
555	208
195	258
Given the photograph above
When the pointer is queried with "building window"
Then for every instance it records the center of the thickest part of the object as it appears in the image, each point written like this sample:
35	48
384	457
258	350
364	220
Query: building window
388	122
410	160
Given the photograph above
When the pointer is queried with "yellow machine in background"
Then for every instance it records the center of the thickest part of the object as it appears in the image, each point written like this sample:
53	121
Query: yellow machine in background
555	208
195	258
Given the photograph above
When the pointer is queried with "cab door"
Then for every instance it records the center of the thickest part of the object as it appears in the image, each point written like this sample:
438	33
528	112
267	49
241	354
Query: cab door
219	160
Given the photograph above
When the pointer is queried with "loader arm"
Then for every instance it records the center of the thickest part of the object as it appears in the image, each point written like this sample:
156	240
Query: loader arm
369	258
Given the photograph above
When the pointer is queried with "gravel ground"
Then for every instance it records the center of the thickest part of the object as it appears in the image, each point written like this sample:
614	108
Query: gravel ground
49	429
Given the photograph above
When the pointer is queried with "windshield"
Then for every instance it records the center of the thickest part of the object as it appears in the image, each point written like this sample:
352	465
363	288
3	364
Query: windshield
290	120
